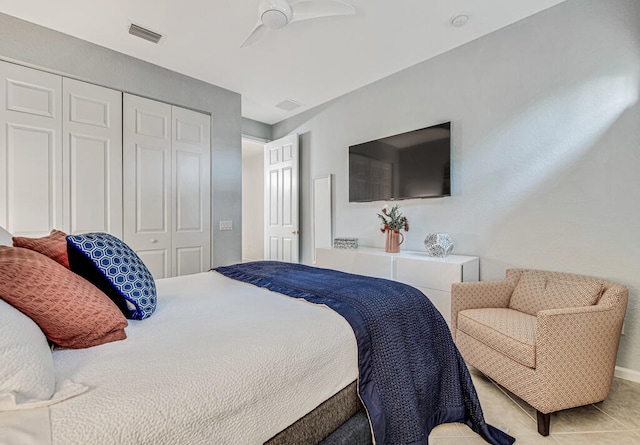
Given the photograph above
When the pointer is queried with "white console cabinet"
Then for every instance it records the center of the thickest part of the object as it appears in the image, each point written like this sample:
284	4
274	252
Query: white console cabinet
432	276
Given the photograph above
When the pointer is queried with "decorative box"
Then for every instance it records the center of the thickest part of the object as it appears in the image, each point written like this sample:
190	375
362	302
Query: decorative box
345	243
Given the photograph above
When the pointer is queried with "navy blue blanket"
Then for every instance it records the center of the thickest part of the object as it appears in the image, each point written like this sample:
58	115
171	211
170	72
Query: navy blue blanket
411	375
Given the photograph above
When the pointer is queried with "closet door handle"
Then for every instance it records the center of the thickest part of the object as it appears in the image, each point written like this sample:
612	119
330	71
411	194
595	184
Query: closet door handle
153	241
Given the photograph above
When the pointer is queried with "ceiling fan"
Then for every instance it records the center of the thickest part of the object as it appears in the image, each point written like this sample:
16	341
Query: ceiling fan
275	14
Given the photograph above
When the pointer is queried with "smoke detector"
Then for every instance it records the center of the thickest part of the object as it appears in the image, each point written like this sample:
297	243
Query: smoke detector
460	19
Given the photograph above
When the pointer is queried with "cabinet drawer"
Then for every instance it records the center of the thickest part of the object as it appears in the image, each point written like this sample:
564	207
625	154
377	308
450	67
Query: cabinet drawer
432	274
440	299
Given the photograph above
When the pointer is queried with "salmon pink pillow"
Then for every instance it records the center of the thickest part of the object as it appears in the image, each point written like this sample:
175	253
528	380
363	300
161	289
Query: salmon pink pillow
53	245
71	312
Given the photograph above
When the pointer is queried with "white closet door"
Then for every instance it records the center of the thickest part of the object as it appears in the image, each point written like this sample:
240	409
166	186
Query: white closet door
30	151
147	182
92	153
191	204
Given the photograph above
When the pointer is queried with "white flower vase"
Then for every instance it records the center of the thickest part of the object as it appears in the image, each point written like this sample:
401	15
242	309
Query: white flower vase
438	244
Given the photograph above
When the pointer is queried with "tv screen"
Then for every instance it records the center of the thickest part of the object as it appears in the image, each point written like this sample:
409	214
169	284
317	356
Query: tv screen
416	164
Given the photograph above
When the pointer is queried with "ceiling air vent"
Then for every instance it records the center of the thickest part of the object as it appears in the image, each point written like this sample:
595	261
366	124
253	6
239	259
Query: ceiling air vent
288	105
144	33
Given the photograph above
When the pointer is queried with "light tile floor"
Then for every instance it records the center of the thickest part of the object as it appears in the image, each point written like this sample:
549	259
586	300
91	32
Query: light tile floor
615	421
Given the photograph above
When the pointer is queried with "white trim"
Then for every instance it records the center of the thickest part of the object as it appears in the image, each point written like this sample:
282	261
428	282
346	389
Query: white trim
627	374
255	139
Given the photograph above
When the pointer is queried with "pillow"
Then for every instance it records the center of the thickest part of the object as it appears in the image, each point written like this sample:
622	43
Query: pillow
535	292
528	291
70	311
564	293
53	245
27	366
117	270
5	238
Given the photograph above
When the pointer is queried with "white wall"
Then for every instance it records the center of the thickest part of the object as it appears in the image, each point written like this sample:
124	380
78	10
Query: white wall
253	206
546	156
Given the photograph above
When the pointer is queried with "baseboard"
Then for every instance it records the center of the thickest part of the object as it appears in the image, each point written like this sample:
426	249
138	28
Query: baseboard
627	374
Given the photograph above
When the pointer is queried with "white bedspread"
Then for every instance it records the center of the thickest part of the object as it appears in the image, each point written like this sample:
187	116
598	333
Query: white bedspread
219	362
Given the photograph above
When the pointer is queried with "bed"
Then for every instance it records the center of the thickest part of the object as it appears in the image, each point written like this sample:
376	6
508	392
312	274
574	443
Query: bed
219	361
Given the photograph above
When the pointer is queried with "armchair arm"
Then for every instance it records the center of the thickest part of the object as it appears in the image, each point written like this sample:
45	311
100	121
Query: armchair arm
576	351
479	294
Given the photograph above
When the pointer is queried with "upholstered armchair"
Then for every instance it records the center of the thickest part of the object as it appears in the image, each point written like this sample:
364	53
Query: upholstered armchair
551	338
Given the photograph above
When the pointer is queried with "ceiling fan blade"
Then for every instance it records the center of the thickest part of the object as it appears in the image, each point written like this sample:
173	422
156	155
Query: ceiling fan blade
255	35
312	9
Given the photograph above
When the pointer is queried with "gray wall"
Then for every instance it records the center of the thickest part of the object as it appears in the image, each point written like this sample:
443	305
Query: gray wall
32	45
257	130
546	148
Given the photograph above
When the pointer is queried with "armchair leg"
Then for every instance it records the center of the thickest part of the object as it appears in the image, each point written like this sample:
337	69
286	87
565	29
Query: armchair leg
543	423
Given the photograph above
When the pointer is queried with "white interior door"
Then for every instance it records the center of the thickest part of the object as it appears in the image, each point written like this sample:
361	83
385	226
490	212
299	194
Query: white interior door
30	151
191	153
92	154
147	182
281	210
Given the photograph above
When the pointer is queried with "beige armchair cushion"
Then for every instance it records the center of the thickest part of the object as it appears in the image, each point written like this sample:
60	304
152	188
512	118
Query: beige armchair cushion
509	332
536	291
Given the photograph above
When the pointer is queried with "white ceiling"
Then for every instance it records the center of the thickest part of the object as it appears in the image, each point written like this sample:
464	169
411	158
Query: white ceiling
310	62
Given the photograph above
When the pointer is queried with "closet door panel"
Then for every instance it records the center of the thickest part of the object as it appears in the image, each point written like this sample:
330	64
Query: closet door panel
157	261
30	151
152	195
93	158
189	211
87	201
189	260
147	182
34	95
33	180
191	239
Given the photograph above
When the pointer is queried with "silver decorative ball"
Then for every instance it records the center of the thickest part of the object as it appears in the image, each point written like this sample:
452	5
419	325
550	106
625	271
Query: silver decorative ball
438	244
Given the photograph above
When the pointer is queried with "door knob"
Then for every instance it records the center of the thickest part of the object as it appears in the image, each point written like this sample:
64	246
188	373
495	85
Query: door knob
153	241
295	232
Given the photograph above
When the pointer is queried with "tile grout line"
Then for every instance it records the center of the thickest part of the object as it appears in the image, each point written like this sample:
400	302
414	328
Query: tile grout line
503	391
510	398
559	437
609	415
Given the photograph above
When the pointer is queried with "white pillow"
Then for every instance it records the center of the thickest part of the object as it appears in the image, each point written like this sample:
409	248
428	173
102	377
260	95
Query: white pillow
5	238
26	364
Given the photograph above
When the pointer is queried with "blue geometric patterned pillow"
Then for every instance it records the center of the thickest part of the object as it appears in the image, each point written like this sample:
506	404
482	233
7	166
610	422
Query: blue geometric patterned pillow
116	269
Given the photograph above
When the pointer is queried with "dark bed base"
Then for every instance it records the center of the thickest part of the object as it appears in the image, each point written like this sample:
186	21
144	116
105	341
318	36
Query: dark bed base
339	420
355	431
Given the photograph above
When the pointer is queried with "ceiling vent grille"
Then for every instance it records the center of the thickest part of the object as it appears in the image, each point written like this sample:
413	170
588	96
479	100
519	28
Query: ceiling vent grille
288	105
144	33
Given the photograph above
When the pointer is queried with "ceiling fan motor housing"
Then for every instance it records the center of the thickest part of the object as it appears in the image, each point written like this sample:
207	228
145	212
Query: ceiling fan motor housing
275	14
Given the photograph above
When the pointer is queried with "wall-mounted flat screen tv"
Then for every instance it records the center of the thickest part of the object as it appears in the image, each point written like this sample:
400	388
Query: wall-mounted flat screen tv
416	164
